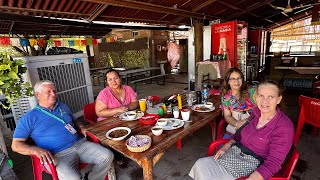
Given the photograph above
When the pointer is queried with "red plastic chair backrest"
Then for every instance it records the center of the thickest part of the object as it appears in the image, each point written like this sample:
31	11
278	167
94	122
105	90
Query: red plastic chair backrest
310	110
89	112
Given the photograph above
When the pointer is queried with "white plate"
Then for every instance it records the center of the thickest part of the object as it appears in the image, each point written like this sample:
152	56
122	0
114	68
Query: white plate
200	105
172	124
125	118
118	138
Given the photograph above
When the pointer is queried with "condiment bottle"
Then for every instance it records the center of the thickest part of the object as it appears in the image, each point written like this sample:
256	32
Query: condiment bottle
164	108
179	101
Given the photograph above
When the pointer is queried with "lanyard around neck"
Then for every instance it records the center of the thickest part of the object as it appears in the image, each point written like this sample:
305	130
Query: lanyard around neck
51	115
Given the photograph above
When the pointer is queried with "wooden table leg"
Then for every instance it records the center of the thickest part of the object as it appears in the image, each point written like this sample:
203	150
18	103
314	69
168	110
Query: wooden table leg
147	169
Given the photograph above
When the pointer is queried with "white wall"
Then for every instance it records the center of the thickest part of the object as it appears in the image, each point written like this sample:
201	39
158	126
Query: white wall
206	42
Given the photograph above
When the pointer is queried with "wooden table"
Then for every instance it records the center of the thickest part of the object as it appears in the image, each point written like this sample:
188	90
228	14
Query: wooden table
160	144
128	74
301	70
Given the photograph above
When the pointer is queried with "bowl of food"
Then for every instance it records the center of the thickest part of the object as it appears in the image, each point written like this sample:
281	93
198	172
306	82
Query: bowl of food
138	143
149	119
162	122
208	105
118	133
131	115
157	130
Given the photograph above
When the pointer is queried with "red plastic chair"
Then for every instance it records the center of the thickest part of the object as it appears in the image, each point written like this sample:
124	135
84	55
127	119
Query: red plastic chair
284	173
38	168
221	128
309	113
89	112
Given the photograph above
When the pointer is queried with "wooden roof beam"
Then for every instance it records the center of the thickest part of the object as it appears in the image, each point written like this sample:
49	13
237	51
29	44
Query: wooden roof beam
296	17
42	11
98	12
201	6
150	7
135	19
251	8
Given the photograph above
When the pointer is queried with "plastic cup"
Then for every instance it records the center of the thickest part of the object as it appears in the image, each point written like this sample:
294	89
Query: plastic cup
143	105
176	114
185	114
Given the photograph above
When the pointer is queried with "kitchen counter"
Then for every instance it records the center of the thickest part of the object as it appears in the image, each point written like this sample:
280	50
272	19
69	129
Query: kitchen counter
301	70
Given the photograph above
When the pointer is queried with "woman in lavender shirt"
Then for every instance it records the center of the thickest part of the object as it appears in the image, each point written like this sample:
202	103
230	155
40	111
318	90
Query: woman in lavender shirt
269	134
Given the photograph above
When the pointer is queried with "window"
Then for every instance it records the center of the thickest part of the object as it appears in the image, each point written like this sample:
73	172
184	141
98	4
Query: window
135	33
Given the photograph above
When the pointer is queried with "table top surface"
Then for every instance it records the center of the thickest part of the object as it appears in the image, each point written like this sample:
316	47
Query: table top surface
100	68
159	143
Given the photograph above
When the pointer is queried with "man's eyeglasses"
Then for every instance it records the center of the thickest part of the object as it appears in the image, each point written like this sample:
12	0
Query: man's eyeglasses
235	79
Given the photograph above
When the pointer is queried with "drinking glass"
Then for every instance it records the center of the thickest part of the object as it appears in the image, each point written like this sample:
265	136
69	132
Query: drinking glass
149	102
190	96
143	104
176	112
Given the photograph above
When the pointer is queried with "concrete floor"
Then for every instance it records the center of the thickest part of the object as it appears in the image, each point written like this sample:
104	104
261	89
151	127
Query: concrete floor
175	164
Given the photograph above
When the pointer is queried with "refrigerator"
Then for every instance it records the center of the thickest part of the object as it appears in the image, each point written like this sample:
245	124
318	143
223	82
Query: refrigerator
229	42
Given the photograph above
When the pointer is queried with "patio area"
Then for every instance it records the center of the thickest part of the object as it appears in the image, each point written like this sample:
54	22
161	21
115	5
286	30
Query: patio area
176	163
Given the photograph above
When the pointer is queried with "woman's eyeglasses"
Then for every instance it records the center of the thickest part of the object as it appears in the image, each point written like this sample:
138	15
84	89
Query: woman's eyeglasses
235	79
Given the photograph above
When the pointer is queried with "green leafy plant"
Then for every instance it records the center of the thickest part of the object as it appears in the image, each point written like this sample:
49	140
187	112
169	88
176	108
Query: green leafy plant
11	81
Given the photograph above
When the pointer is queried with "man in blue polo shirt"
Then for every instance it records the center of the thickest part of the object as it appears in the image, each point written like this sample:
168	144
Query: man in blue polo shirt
51	125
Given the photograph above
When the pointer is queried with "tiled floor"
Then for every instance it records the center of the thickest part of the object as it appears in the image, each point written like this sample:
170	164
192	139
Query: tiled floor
175	164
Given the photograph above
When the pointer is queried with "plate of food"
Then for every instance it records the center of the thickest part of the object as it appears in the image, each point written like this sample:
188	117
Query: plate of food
118	133
202	108
172	123
131	115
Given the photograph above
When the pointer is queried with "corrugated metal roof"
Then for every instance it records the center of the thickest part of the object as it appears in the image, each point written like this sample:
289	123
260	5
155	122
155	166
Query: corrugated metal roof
154	12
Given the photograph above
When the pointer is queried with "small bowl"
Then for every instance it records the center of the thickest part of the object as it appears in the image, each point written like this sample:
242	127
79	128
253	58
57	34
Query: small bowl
149	119
208	105
157	130
131	115
162	122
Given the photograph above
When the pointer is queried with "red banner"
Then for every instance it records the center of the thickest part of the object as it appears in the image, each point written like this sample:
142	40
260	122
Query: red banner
4	41
57	43
224	38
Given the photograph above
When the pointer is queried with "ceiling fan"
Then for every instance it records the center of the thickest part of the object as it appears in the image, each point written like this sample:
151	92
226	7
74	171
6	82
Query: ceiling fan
289	9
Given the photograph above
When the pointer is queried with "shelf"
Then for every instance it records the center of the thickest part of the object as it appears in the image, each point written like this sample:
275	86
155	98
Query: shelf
301	70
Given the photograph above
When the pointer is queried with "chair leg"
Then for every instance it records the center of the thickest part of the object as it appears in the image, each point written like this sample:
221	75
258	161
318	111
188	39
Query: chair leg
37	173
298	132
179	144
315	131
37	170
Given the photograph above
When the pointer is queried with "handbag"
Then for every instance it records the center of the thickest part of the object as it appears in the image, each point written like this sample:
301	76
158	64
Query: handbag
238	163
239	160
